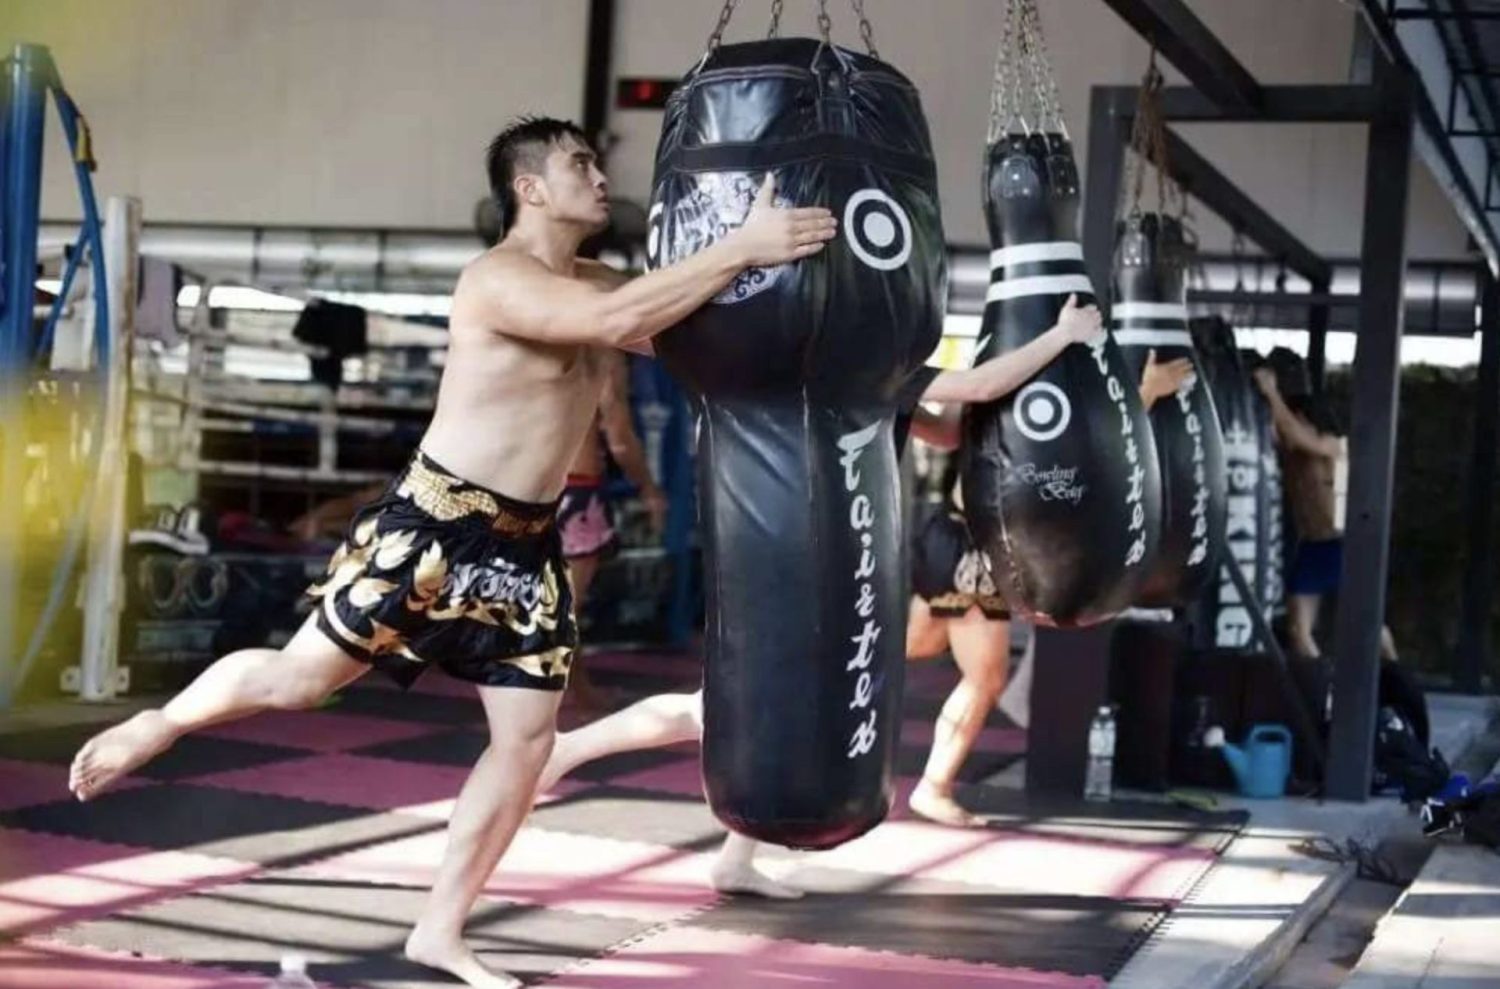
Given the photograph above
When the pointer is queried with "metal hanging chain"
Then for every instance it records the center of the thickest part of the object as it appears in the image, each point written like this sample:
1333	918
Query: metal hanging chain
1048	92
1005	87
775	31
718	35
866	32
1030	51
825	23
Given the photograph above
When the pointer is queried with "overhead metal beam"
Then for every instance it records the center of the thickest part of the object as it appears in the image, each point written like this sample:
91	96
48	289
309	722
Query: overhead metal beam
1210	187
1433	144
1346	104
1189	45
1415	14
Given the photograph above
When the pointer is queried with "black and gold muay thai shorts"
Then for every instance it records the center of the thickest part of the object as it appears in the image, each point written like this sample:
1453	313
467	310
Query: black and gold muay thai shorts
441	572
949	572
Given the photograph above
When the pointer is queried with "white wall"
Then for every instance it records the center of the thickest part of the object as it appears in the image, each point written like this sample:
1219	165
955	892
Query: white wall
376	112
1310	178
337	112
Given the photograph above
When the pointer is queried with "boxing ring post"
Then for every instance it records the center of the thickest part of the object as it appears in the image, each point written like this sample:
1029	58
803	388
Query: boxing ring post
26	76
1372	453
1474	658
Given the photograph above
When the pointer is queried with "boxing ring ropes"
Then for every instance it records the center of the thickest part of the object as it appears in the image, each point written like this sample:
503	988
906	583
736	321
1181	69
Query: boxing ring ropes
88	357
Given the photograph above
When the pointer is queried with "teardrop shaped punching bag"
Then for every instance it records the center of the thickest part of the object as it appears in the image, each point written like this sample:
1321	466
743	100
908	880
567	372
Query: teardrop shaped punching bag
1226	622
1150	313
1060	478
796	371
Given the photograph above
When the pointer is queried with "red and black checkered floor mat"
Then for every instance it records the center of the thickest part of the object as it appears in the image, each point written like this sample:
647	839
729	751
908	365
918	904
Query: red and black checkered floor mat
318	833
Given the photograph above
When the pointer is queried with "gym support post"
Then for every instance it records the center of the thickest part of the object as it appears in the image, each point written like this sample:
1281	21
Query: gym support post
26	76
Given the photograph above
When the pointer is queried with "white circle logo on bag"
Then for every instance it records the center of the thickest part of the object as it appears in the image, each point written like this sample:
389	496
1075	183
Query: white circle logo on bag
1042	411
878	229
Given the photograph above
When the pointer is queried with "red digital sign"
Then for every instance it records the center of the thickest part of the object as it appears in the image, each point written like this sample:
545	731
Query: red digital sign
643	94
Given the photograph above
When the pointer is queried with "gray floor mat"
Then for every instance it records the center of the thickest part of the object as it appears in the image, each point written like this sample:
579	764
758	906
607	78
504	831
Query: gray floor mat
246	827
351	933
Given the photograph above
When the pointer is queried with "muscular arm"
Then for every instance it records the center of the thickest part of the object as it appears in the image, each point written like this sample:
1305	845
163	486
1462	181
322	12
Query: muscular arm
610	279
519	295
1297	433
523	297
1004	373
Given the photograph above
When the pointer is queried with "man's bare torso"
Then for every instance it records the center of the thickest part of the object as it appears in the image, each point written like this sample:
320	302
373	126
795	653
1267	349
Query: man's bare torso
512	414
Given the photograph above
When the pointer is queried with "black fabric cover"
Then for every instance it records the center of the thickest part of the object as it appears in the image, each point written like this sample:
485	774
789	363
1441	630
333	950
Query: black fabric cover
1150	313
339	328
1061	482
798	371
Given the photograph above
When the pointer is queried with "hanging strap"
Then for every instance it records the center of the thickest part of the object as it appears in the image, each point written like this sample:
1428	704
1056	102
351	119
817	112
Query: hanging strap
1148	139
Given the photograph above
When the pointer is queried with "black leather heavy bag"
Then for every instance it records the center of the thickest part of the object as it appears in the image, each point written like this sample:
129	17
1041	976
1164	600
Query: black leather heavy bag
1271	533
1150	313
1226	622
1060	478
796	370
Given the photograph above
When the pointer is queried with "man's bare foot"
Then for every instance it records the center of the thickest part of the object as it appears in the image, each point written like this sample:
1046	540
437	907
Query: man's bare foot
113	753
456	958
746	880
932	803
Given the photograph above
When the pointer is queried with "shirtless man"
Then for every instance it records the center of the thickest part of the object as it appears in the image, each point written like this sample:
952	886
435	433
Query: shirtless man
458	563
585	518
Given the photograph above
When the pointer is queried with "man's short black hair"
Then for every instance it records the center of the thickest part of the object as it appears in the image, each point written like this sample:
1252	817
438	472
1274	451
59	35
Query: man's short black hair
523	147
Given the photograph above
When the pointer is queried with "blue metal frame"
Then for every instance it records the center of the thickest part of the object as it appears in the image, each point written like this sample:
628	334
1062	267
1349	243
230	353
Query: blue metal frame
28	74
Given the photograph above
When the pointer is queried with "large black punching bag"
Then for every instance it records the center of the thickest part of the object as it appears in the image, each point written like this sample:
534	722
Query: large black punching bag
1150	314
1271	534
1226	622
1060	478
796	371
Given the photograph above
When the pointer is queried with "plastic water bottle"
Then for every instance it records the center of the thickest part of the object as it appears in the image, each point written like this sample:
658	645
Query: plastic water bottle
1099	781
293	974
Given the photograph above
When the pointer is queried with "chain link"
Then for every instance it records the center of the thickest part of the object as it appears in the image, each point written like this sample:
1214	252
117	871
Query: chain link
1051	99
718	35
775	31
866	32
825	23
1009	96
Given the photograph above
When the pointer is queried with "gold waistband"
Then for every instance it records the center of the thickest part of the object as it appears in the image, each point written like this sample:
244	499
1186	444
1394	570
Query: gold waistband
448	498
